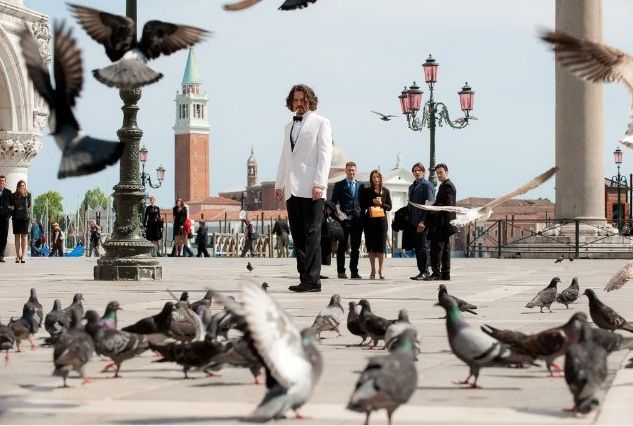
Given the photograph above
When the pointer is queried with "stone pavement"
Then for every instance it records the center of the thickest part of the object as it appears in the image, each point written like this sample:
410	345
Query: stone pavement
156	393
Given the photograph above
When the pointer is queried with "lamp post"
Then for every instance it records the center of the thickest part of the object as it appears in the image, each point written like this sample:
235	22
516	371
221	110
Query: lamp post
127	252
433	113
145	177
619	180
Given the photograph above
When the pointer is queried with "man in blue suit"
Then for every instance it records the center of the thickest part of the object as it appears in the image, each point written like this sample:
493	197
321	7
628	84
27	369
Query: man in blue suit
346	194
420	191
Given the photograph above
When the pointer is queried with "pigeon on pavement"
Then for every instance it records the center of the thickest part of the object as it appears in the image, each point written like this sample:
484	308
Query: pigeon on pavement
604	316
265	286
81	154
37	307
355	323
509	337
624	275
129	56
399	327
56	322
570	294
559	259
595	62
184	324
545	297
156	324
73	350
610	341
375	326
286	5
7	340
197	354
388	381
461	304
585	371
481	214
26	326
76	305
249	267
473	346
109	318
239	352
330	317
205	302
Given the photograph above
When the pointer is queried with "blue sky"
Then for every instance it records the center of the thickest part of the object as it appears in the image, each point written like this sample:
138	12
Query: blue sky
357	55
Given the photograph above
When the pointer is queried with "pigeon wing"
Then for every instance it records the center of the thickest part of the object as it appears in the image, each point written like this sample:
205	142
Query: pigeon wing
295	4
276	338
621	277
116	33
166	38
537	181
240	5
37	70
454	209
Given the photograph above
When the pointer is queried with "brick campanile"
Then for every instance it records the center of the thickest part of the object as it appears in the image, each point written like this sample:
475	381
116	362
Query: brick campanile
191	136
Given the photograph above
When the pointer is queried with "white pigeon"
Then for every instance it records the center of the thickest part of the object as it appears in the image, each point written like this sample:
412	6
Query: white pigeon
595	62
466	215
621	277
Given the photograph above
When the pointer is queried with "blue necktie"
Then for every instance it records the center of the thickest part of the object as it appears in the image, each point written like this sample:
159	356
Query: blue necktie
352	188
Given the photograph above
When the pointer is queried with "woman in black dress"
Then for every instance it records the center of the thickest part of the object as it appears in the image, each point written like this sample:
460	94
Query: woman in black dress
21	213
376	202
180	215
153	225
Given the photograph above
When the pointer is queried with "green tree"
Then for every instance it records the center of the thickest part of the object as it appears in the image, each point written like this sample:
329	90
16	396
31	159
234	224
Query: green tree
94	198
55	207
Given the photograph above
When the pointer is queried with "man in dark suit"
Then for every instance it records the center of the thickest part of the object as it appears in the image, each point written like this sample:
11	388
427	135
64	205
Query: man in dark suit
439	227
5	214
346	194
420	191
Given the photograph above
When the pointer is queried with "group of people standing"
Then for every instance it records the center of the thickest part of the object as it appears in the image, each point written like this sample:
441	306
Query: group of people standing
17	207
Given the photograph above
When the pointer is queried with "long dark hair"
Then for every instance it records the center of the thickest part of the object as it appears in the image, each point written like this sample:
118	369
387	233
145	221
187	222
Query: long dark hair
17	188
371	179
311	97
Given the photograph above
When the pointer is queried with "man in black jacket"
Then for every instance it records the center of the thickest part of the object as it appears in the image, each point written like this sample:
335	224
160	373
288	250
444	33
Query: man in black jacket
5	214
439	227
347	194
420	191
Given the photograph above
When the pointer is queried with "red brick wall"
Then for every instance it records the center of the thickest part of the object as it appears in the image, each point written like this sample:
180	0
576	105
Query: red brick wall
192	166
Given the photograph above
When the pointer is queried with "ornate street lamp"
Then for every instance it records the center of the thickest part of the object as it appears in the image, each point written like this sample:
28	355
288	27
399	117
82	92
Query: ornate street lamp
433	113
127	252
145	177
619	181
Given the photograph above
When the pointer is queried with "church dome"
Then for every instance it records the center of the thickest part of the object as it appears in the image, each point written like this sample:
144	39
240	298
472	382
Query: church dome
339	158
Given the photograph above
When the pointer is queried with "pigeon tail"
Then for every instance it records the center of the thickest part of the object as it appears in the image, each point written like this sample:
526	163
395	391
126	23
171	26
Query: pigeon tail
628	327
627	343
89	155
127	74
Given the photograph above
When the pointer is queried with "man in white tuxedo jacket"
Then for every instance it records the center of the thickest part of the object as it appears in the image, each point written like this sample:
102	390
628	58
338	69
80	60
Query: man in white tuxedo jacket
302	176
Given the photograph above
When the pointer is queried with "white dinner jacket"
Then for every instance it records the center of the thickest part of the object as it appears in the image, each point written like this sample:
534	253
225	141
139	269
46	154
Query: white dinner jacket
308	165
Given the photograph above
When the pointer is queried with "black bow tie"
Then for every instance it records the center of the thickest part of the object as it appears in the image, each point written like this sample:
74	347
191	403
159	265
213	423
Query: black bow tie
297	118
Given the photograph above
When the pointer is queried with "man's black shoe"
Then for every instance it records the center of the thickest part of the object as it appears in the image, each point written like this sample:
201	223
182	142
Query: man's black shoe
419	277
323	277
446	277
342	275
305	288
432	277
2	259
355	276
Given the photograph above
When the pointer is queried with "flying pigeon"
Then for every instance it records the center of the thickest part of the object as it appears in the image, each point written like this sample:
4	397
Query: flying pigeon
81	154
473	346
7	340
25	326
585	371
604	316
73	350
330	317
621	277
249	267
481	214
156	324
545	297
56	322
37	307
388	381
129	56
286	5
595	62
570	294
384	117
461	304
397	328
355	323
77	305
375	326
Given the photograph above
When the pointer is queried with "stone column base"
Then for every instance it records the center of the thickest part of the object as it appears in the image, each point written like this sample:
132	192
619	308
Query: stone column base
588	226
128	261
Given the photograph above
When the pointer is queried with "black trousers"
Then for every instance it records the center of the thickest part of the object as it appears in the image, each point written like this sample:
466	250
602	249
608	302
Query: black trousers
4	231
441	257
202	250
306	216
421	252
354	231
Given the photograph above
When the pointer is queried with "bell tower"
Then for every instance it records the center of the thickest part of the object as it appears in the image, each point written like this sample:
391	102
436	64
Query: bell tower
191	136
252	177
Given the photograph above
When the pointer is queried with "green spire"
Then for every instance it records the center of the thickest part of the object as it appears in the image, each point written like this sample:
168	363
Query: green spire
192	75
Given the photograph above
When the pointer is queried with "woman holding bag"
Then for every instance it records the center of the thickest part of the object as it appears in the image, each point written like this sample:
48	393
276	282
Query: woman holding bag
376	202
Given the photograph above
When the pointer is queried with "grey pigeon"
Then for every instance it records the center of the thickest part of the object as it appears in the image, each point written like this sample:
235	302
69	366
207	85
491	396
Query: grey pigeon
198	354
184	324
249	267
375	326
239	352
399	327
81	154
129	56
384	117
117	345
330	317
585	371
7	340
56	322
559	259
508	337
77	305
292	361
265	286
388	381
156	324
473	346
461	304
204	302
570	294
25	327
610	341
37	307
604	316
184	297
545	297
109	318
286	5
355	323
72	351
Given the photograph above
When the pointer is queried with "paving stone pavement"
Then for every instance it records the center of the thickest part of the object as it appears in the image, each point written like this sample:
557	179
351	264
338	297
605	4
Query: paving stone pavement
157	393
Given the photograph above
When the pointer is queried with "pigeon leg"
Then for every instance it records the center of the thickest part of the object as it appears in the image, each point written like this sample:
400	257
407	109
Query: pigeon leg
212	374
571	410
465	382
541	309
6	358
367	417
300	416
108	367
85	378
116	373
33	346
550	309
556	367
17	343
65	385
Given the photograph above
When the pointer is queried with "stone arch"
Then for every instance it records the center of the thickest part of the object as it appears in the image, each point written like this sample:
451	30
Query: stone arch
14	114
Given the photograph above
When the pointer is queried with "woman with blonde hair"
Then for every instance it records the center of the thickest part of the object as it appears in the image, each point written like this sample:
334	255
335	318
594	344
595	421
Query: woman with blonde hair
21	213
376	202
